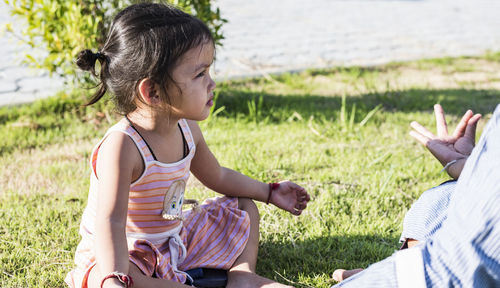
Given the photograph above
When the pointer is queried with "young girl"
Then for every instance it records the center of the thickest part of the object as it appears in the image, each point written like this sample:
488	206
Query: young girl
155	62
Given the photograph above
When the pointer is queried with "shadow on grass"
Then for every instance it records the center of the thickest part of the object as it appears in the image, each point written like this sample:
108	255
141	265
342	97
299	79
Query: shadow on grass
280	107
57	118
321	256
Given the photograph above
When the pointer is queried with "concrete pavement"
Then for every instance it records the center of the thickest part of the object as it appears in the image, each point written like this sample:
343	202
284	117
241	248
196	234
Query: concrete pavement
272	36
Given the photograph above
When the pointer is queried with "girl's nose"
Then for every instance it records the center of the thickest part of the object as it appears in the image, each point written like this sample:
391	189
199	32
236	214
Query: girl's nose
211	85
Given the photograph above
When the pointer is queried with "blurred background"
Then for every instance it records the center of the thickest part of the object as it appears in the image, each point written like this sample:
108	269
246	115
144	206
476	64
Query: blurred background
264	36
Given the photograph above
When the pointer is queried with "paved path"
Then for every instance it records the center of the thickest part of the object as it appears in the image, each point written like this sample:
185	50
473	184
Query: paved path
270	36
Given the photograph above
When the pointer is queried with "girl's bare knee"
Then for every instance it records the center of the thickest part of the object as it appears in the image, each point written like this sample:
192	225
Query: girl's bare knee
134	271
94	279
250	207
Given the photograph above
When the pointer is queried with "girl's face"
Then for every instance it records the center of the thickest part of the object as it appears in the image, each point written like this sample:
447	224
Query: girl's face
191	75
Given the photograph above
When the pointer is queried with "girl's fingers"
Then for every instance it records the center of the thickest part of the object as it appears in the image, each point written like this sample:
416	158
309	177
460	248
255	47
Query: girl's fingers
460	130
302	194
295	211
422	130
442	128
301	205
305	196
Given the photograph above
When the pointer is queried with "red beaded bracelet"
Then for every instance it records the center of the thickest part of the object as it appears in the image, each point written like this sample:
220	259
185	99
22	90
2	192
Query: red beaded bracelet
272	186
123	278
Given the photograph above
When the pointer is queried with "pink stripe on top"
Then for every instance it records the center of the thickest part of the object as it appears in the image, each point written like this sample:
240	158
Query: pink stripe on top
214	235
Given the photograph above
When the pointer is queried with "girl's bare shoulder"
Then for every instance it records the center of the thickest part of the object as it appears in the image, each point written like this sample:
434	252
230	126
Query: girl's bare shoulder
195	130
119	151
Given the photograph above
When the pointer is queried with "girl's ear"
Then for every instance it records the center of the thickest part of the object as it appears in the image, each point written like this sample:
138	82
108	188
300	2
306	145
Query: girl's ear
149	93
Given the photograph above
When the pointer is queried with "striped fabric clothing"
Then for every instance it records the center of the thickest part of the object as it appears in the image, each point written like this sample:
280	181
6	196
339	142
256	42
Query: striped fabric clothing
461	245
163	240
426	216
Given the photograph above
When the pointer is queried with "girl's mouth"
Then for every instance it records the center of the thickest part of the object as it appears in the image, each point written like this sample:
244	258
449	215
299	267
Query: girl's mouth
210	101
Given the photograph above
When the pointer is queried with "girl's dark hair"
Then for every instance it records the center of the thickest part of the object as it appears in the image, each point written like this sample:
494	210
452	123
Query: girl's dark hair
144	41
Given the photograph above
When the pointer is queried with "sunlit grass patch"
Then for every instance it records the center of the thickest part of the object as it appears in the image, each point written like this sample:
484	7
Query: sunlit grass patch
342	133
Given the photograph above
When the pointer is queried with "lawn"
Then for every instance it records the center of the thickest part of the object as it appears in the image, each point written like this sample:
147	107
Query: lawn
342	133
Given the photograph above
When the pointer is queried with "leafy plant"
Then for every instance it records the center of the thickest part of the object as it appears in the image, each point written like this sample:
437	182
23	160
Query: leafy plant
63	28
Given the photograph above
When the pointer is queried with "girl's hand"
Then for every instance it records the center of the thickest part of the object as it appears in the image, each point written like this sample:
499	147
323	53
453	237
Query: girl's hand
447	148
290	197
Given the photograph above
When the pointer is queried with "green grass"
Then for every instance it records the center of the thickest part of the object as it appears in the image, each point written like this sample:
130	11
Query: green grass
342	133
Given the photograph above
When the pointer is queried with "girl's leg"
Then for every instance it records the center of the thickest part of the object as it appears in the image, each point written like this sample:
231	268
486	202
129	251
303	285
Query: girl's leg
242	274
140	280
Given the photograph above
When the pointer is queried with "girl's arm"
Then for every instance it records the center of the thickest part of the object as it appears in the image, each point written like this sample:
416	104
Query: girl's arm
118	164
289	196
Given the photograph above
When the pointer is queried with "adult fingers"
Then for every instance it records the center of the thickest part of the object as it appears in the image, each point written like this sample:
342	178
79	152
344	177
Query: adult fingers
420	138
442	128
422	130
460	130
470	130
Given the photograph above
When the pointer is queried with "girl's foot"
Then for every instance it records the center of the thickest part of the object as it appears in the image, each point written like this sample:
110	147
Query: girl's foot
243	279
341	274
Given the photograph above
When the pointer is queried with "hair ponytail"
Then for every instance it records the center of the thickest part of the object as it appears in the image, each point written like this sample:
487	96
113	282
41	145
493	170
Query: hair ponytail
86	61
144	40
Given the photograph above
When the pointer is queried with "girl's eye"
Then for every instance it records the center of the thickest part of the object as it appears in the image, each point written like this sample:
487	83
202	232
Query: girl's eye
202	73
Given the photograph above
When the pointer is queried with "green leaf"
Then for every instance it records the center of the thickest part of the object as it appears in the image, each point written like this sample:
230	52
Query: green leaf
64	26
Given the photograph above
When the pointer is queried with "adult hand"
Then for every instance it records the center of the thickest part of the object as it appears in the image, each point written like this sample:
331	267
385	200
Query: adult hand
290	197
447	148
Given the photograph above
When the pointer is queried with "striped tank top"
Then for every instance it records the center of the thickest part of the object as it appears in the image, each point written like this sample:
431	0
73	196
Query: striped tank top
158	193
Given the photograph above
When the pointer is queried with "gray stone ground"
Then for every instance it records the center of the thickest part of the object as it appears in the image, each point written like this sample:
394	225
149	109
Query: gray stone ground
272	36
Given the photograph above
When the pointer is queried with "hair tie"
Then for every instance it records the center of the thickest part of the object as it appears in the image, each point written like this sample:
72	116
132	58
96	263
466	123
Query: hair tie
100	56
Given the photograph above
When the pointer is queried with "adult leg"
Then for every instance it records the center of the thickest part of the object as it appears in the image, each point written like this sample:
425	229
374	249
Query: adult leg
427	214
242	274
424	218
